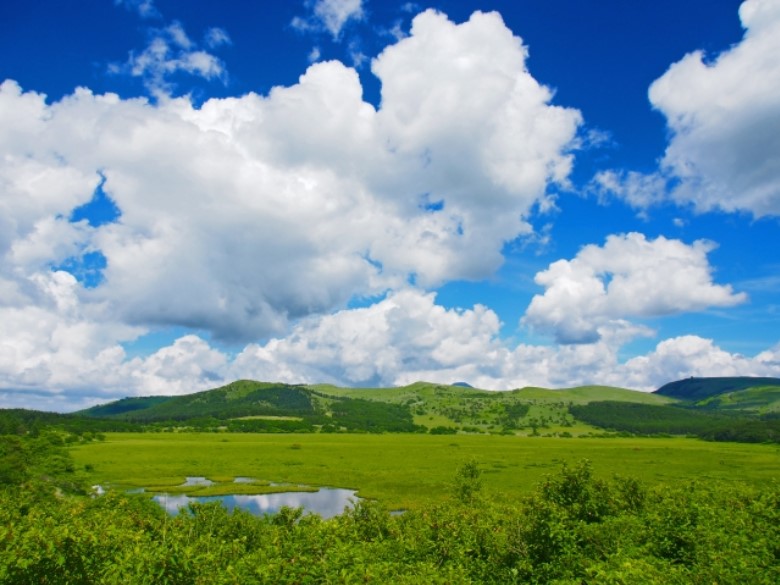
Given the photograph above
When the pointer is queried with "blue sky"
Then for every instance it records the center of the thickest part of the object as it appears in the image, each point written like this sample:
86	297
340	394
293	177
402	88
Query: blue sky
371	193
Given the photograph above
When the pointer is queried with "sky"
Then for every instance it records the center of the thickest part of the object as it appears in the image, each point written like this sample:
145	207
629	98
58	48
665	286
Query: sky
370	193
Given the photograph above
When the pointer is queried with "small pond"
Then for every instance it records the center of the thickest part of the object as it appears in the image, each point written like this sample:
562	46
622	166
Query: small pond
327	502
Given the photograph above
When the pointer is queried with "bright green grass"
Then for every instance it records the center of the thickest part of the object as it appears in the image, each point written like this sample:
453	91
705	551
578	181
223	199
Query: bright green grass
407	470
761	399
585	394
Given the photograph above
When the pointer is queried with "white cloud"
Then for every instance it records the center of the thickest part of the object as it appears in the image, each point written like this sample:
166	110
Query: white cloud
405	335
723	114
216	37
626	278
725	120
52	341
62	354
144	8
690	355
330	15
170	51
458	101
641	191
314	55
246	214
186	366
404	338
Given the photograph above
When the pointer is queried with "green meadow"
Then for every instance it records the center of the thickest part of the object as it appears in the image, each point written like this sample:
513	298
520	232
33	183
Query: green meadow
408	470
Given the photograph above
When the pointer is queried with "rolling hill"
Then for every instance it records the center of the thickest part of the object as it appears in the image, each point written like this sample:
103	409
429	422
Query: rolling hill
725	408
422	406
697	389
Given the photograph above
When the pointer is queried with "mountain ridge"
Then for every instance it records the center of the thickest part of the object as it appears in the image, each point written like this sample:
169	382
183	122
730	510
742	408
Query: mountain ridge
752	414
695	389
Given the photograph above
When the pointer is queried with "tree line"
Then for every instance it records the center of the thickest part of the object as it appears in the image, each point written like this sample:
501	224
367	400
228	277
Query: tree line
647	419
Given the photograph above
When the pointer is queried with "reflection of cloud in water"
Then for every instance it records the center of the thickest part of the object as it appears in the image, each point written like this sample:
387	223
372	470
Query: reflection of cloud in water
327	502
198	480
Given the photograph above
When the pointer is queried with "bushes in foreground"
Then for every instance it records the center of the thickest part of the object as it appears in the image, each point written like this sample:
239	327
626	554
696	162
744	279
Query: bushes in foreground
573	529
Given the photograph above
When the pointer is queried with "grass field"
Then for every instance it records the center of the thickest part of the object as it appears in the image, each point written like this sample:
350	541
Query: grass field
407	470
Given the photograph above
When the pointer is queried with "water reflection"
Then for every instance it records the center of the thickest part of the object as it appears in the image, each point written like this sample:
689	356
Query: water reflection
196	480
327	502
244	480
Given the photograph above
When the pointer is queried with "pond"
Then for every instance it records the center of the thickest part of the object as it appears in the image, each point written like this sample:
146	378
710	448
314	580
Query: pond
327	502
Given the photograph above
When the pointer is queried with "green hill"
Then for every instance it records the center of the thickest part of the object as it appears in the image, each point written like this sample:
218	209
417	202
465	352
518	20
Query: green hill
260	406
239	399
698	389
125	406
453	408
247	405
587	394
759	399
724	413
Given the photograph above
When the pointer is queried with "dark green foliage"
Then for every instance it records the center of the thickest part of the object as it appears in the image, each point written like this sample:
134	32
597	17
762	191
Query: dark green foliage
645	419
695	389
517	410
37	461
468	482
19	421
305	425
442	430
371	416
763	430
574	529
125	406
239	399
14	461
240	406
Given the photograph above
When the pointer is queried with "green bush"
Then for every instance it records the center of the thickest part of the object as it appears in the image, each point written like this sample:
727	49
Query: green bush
575	528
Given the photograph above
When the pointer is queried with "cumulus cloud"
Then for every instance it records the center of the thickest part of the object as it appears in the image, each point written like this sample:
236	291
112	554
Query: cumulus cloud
690	355
401	339
723	114
406	334
52	341
626	278
245	214
252	217
329	15
408	337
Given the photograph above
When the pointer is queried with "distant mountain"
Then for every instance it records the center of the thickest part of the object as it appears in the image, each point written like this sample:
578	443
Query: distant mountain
727	409
239	399
697	389
125	406
247	405
274	407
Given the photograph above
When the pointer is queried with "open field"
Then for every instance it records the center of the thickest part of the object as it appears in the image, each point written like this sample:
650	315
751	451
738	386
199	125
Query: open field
409	470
